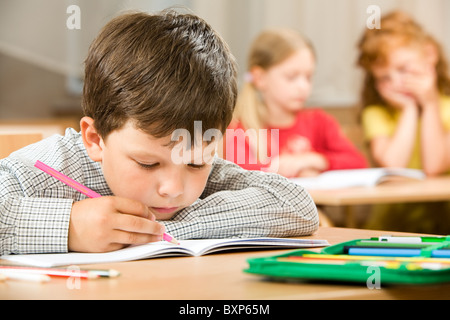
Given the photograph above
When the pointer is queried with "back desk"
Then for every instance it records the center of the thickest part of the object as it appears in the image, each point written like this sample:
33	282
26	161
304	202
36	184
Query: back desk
396	191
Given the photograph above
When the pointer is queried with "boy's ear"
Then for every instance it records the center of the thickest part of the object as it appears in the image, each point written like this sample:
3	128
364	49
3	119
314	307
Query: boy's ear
93	142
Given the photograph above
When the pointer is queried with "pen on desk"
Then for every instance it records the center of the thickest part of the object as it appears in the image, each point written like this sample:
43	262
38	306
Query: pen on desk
84	190
374	258
398	239
62	272
380	244
388	264
389	252
12	275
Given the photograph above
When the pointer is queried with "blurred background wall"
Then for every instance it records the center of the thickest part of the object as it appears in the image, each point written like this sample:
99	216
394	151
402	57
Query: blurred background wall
41	60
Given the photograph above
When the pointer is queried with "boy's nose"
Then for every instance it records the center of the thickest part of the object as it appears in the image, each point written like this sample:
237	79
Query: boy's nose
171	187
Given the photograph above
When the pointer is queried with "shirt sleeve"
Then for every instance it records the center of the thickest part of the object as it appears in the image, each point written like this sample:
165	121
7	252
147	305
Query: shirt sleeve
35	207
445	111
377	121
239	203
30	223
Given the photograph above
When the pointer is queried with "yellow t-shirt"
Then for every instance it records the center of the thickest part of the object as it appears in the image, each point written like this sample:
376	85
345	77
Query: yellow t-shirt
381	121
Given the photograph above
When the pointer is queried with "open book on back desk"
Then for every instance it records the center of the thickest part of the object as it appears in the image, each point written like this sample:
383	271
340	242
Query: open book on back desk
337	179
162	249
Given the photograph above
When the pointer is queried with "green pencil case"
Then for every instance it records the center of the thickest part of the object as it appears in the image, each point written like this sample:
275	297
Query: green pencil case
306	265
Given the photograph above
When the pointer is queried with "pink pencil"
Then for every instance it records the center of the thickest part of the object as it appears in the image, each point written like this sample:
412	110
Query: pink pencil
84	190
63	178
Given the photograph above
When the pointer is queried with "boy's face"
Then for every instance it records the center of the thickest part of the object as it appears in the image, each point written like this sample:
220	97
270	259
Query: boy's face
141	167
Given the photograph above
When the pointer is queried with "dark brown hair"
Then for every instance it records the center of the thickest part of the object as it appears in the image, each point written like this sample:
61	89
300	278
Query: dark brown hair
162	71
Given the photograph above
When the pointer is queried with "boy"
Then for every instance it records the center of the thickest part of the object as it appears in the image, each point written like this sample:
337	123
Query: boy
146	76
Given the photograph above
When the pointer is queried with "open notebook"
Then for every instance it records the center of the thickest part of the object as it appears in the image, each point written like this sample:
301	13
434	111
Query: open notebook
162	249
336	179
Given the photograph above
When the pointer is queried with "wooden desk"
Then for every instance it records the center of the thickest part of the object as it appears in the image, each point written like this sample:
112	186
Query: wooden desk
214	277
428	190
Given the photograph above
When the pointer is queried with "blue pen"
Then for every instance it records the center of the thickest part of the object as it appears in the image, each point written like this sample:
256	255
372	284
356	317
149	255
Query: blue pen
396	252
440	254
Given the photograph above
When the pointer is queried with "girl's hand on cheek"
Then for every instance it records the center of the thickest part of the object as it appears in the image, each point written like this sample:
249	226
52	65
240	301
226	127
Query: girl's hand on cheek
422	83
397	99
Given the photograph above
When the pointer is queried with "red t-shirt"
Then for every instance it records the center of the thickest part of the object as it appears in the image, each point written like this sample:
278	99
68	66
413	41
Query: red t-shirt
313	130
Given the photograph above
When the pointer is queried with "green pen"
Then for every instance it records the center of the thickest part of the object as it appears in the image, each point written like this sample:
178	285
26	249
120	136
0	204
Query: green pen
411	239
373	243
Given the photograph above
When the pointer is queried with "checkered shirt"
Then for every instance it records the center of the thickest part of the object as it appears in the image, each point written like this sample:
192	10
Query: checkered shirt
35	207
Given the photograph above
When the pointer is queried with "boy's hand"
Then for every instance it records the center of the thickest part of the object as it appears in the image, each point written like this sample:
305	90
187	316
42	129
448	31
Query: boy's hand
110	223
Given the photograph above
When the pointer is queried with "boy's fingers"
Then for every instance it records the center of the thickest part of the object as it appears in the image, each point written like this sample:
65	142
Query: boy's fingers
130	223
131	207
130	238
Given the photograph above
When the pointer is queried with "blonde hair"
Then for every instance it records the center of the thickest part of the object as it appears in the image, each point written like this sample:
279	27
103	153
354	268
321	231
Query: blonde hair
397	30
270	48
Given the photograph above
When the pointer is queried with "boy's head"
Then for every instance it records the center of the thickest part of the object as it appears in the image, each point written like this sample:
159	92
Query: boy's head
148	77
161	71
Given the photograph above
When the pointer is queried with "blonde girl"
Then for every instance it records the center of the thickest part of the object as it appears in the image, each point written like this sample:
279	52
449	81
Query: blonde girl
281	65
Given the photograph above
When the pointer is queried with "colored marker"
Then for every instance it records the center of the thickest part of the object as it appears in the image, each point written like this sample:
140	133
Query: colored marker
84	190
374	258
388	264
410	239
390	252
381	244
62	272
11	275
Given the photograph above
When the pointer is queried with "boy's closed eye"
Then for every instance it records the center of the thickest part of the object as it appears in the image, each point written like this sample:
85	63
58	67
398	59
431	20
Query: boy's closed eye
155	165
148	166
197	166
